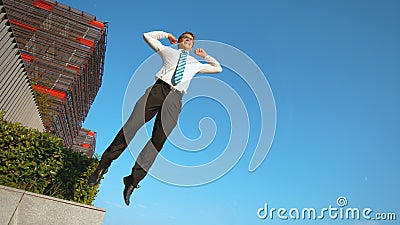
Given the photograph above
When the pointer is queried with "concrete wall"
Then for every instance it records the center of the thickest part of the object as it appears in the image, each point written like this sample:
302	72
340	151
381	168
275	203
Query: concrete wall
18	207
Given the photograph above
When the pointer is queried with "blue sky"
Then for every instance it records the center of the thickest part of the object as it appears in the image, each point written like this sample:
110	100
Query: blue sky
333	68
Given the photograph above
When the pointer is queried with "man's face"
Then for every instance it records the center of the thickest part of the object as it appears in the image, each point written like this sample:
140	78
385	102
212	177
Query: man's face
186	42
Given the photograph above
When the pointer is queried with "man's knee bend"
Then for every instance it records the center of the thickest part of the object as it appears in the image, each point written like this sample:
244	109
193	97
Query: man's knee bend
158	143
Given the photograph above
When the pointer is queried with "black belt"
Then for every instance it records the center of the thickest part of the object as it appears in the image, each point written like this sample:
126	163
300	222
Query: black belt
170	87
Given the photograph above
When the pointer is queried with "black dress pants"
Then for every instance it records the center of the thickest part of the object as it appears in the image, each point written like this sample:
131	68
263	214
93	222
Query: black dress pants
158	100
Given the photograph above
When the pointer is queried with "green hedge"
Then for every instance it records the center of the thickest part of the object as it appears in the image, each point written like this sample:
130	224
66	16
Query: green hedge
38	162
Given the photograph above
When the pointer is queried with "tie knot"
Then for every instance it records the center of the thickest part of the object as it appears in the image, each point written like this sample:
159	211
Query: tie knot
183	52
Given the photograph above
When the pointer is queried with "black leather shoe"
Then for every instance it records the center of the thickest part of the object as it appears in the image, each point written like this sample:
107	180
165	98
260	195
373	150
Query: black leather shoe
95	178
128	190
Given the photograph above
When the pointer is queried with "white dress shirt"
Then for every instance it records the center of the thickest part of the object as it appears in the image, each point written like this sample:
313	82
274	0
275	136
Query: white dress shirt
170	58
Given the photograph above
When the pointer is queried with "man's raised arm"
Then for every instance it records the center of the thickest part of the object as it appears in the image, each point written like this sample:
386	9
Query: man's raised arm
212	65
152	39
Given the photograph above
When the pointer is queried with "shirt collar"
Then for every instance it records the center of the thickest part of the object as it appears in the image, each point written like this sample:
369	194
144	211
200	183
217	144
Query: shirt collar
181	50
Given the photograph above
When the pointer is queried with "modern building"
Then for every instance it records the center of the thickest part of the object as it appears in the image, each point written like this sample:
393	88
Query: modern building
85	142
63	52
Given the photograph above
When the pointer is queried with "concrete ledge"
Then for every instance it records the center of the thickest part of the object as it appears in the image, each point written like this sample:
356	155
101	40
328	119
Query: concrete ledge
20	207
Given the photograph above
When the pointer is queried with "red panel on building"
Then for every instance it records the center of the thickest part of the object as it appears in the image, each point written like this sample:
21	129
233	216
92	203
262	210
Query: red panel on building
85	41
43	5
54	93
27	57
86	145
29	27
90	133
97	24
76	68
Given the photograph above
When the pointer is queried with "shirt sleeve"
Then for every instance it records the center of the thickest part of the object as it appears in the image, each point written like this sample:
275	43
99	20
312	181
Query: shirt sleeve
212	66
152	39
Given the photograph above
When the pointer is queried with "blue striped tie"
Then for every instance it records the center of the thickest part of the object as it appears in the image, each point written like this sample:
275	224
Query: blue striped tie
180	68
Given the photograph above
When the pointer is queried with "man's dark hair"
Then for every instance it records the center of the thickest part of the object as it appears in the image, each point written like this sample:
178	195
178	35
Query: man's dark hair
183	34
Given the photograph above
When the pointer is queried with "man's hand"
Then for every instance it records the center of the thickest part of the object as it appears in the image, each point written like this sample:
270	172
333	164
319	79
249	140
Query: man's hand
172	39
200	52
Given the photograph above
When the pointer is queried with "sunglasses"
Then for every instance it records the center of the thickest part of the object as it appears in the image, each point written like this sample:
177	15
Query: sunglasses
187	38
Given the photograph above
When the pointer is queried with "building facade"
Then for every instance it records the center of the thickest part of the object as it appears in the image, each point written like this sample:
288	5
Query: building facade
63	52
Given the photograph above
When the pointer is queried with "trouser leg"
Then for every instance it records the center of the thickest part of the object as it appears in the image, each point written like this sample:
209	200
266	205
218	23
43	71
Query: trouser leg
165	122
145	108
113	151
